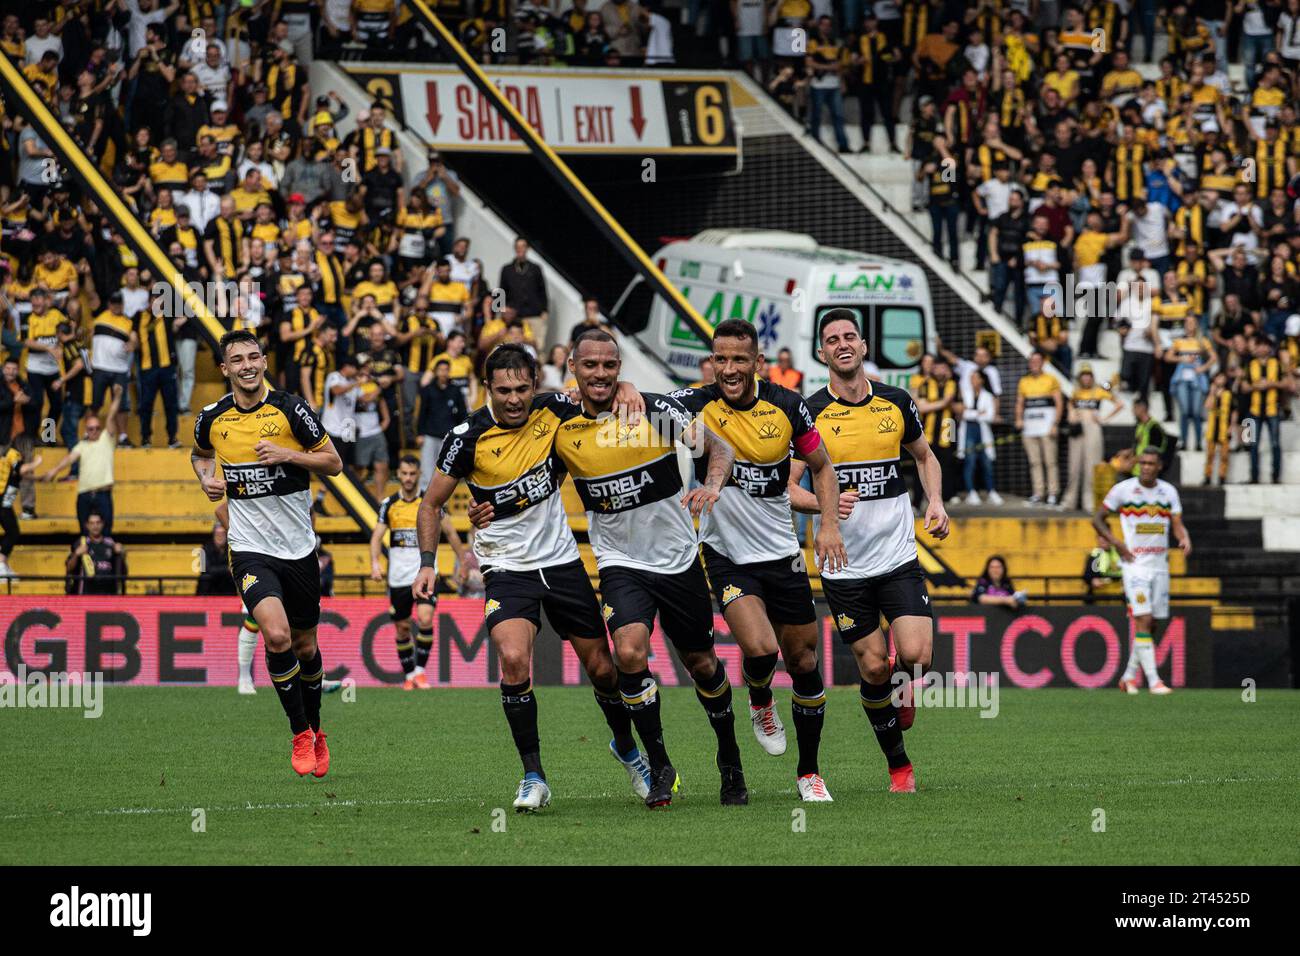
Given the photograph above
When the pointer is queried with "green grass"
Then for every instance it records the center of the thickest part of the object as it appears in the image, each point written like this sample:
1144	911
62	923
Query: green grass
1199	777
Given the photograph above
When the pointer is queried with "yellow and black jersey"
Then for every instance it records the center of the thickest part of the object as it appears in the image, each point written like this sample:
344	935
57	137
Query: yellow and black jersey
1271	169
1218	425
157	348
319	362
876	57
345	223
462	369
78	387
369	140
865	441
1009	104
188	237
330	287
1089	399
270	505
110	338
517	470
417	353
44	328
284	86
385	293
939	426
399	514
447	300
227	237
1269	371
1190	220
1130	182
751	520
11	463
58	280
299	320
1187	271
628	480
174	176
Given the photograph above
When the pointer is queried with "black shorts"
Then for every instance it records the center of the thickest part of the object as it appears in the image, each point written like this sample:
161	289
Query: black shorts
564	592
633	596
296	583
401	602
782	585
857	604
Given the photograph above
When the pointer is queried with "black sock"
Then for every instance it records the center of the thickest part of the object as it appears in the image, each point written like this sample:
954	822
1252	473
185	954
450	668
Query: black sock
405	653
423	645
882	712
758	672
617	716
286	676
715	694
520	704
640	696
313	672
808	707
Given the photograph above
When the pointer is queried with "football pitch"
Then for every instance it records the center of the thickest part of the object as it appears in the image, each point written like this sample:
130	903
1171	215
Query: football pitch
201	776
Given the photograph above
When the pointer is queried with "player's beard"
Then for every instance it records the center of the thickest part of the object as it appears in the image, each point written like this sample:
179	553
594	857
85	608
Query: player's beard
247	390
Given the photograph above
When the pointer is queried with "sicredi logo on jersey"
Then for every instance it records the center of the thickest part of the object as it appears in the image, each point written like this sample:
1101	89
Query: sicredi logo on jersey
76	909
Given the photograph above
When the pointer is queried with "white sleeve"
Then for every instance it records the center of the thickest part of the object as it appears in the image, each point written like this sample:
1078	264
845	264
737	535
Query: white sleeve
1177	502
1113	498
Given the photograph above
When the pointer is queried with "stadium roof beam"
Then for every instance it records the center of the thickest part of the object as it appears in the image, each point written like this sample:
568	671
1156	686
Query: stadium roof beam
562	174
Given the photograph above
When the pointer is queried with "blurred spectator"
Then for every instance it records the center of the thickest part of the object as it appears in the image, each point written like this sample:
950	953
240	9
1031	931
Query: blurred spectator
214	567
827	62
1086	443
96	563
1190	381
1265	386
93	456
12	471
782	372
1038	416
555	370
592	318
966	368
1220	424
1101	569
522	281
996	588
442	407
975	441
1148	434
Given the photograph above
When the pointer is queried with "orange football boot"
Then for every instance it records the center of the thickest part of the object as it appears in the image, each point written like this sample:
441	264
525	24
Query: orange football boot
322	755
303	758
421	682
902	779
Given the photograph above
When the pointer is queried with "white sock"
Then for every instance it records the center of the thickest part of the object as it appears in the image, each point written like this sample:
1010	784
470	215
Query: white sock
1134	664
1147	655
247	648
418	671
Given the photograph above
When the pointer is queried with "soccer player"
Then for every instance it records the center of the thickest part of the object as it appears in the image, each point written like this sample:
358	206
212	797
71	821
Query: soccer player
865	426
397	517
269	443
627	477
530	560
753	558
1148	507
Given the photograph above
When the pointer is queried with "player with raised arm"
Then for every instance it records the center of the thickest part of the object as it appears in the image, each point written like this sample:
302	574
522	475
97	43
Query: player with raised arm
397	515
1148	507
865	425
755	564
269	443
529	558
641	531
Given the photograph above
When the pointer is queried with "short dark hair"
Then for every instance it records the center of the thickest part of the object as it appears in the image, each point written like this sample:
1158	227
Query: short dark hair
594	335
408	460
234	337
510	358
440	363
836	315
736	329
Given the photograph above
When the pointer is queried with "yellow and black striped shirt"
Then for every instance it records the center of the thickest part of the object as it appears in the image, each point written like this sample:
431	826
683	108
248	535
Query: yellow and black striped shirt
156	344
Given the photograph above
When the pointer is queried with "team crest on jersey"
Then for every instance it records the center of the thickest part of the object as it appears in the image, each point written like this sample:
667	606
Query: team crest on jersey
269	430
606	611
888	426
541	429
491	607
769	430
730	593
248	581
843	621
1141	598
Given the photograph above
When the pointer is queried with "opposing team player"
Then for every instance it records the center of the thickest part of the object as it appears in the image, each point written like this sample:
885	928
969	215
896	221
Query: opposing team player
397	515
755	565
269	443
865	425
1148	507
529	558
628	479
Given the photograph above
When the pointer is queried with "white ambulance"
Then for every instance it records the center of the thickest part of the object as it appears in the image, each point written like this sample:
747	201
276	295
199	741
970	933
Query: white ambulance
782	282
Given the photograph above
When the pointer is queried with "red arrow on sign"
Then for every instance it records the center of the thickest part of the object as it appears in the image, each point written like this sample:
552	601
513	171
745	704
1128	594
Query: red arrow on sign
434	116
638	118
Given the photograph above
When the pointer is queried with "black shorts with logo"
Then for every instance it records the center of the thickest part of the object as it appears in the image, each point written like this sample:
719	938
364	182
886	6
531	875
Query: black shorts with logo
634	596
564	592
401	602
295	582
857	604
782	585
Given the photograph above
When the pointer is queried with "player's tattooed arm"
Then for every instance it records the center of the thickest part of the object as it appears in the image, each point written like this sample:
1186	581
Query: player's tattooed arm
805	502
204	463
1102	527
427	527
722	458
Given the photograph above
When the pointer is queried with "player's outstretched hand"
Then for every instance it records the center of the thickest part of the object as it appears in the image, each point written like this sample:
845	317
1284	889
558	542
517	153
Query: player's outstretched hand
699	501
936	520
848	499
829	547
481	514
629	403
214	487
269	453
424	584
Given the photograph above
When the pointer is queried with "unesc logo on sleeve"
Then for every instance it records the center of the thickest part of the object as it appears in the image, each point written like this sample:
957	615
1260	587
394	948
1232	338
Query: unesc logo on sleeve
75	909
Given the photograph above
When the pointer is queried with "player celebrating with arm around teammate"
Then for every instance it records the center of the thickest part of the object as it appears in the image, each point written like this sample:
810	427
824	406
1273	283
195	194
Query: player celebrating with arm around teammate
269	443
1148	506
530	560
752	555
865	426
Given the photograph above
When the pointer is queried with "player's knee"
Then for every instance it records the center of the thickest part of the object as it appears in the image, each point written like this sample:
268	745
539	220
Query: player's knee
702	665
304	645
801	661
514	666
600	670
277	636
